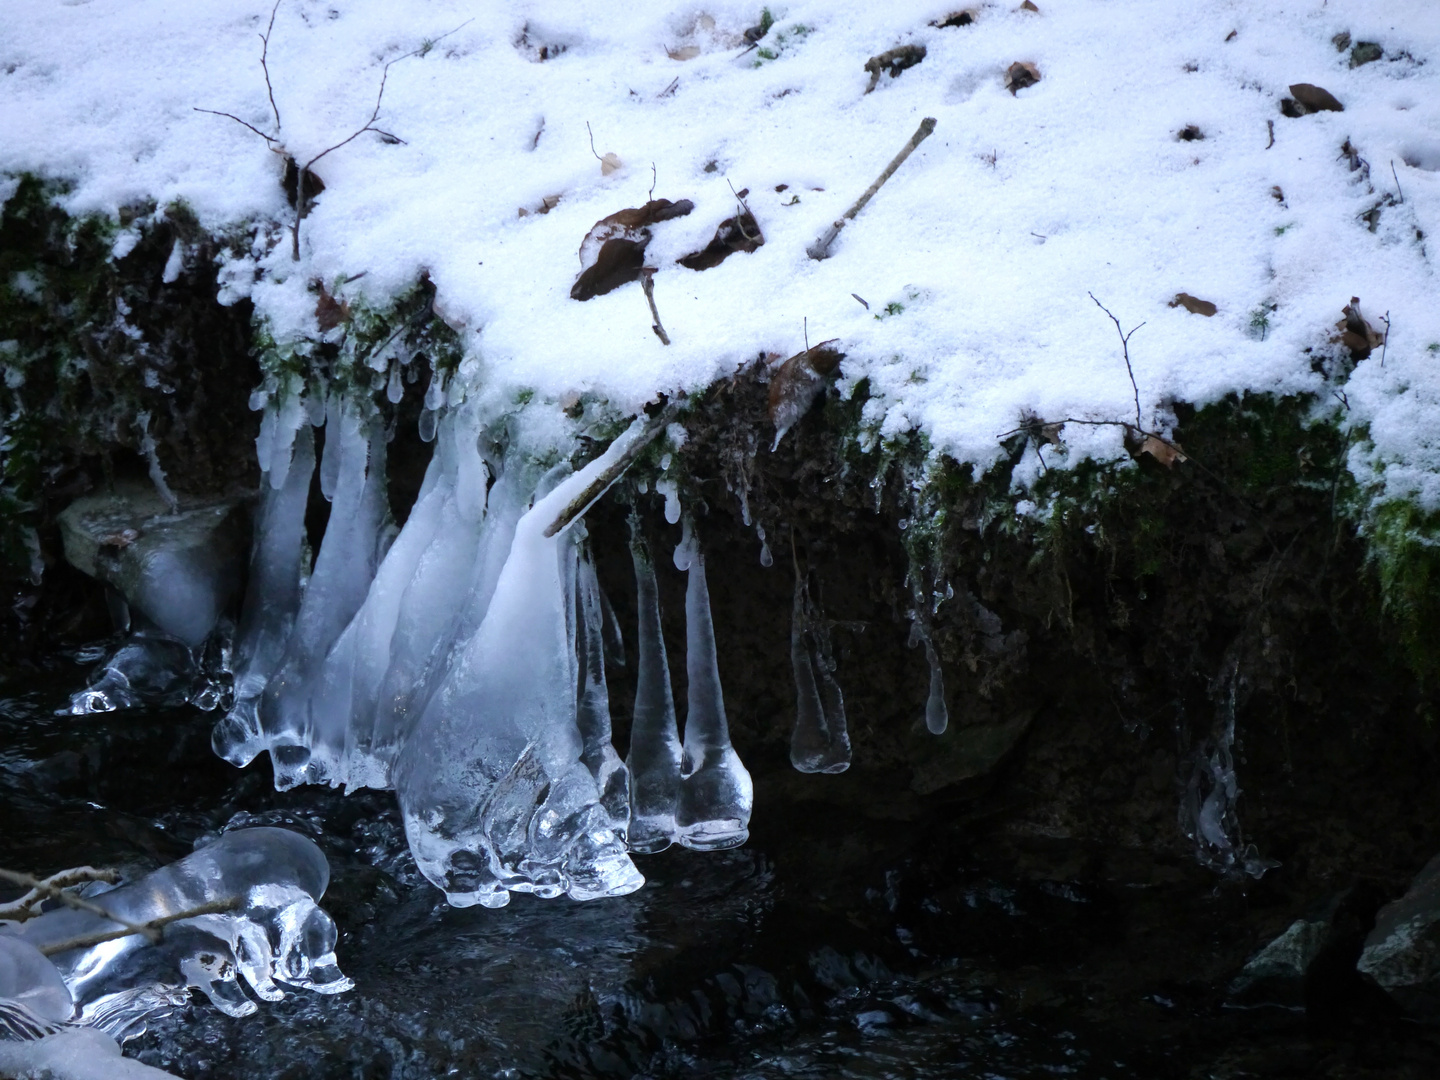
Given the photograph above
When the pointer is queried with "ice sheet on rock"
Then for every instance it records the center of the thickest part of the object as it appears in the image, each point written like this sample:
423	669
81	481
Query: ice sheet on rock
494	795
272	599
275	934
592	712
179	566
344	569
716	794
33	994
820	741
655	756
148	668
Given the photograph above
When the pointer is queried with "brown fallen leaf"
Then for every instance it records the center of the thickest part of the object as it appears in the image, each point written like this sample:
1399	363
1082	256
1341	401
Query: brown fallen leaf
329	312
958	18
738	233
1307	98
1194	304
548	203
613	251
1019	75
685	52
1166	453
894	61
609	163
1356	333
290	181
1050	433
1029	5
798	382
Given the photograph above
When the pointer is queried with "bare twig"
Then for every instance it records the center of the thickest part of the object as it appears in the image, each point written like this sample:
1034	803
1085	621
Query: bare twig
744	212
861	300
654	178
151	929
1125	348
592	142
578	505
647	284
1271	125
805	329
820	249
25	907
56	892
274	142
1397	180
265	66
1385	342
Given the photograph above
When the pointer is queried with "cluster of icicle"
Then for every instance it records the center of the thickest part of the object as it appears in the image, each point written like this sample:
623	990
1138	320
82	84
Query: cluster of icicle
257	891
461	661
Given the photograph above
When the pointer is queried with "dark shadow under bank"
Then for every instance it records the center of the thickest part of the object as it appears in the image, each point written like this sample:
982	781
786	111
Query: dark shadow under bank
1024	876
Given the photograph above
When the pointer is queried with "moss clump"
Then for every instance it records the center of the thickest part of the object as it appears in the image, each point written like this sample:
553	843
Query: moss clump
1405	550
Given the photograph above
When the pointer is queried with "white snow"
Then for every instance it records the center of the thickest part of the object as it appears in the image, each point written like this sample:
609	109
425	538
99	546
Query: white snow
991	235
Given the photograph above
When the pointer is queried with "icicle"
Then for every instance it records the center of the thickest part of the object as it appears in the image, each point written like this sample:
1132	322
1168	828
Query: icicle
272	600
715	790
820	742
395	389
614	638
667	487
428	422
655	754
592	712
494	795
157	474
343	571
937	717
685	550
767	560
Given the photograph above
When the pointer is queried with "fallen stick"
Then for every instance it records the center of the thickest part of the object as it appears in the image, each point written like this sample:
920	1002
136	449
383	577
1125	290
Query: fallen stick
76	902
820	249
647	283
578	505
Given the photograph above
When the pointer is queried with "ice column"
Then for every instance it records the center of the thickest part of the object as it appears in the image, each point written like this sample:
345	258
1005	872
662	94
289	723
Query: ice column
271	602
493	792
343	571
592	712
655	753
820	742
715	790
275	933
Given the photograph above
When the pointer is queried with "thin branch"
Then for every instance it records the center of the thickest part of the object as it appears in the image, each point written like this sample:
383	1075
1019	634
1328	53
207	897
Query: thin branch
820	249
654	179
151	929
1385	344
264	66
647	284
740	217
805	329
1125	348
578	505
71	900
592	142
1397	180
215	112
24	908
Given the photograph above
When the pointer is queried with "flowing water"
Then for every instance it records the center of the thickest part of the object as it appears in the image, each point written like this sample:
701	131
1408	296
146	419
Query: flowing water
833	944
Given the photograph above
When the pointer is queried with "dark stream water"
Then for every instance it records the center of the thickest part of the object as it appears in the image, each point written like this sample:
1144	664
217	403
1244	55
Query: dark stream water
837	943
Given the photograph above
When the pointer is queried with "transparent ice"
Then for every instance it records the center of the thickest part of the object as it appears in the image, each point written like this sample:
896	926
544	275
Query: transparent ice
34	999
820	742
148	668
276	934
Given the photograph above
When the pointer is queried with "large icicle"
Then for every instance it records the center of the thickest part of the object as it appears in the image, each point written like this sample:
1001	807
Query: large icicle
592	712
655	754
493	792
716	794
344	569
271	602
820	742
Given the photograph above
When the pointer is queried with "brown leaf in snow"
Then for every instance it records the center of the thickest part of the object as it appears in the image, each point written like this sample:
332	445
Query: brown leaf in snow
613	251
1356	333
738	233
685	52
798	382
1194	304
1308	98
894	61
1019	75
329	312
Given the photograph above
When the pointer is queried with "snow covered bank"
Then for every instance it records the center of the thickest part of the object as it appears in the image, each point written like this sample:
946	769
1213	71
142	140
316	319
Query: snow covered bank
1139	166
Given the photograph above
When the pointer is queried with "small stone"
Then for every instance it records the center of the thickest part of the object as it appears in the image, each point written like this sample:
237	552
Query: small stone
1365	52
1315	98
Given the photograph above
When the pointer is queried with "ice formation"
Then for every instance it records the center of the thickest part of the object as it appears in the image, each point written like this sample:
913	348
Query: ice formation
273	932
34	1000
820	742
148	668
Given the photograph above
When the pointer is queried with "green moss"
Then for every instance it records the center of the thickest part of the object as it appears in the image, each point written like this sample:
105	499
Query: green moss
1405	550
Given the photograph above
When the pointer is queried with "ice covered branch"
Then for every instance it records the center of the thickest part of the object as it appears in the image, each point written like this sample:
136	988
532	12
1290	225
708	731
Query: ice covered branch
54	886
592	491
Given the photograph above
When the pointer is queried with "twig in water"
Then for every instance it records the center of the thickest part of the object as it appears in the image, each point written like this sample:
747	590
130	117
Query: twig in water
578	505
1397	180
1125	348
647	283
56	892
151	929
820	249
1385	342
26	907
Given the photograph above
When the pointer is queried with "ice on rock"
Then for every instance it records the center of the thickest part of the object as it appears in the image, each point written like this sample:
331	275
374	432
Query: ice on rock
179	567
344	569
149	668
491	784
275	934
820	742
73	1054
655	755
716	794
592	712
272	599
34	1000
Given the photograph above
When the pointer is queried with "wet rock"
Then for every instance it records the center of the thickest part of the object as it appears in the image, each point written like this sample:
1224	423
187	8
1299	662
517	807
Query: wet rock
180	567
966	752
1403	950
1365	52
